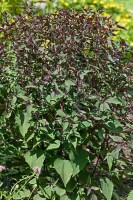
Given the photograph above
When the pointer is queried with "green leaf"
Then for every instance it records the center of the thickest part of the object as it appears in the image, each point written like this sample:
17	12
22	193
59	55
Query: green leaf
87	124
22	96
113	100
79	159
64	169
32	181
48	98
47	191
109	161
68	84
116	138
23	120
131	143
116	195
64	197
74	142
65	125
59	191
61	113
31	86
104	106
38	197
13	102
71	185
84	178
130	196
115	152
22	194
93	197
114	126
95	188
29	136
55	145
107	188
35	158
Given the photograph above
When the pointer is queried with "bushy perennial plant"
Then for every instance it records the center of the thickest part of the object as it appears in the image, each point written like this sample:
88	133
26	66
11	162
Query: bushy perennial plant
65	97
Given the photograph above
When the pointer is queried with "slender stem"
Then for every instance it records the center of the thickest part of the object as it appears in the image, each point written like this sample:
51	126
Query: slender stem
25	183
13	188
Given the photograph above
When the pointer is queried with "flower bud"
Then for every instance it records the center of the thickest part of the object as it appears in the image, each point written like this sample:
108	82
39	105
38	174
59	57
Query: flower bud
2	168
37	170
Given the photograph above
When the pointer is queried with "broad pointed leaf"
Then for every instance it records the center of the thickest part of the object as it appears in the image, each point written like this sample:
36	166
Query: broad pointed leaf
64	169
130	196
35	158
93	197
23	120
60	191
55	145
107	188
79	159
113	100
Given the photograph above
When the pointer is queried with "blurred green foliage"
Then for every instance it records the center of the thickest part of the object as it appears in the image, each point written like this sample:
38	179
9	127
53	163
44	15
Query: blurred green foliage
11	6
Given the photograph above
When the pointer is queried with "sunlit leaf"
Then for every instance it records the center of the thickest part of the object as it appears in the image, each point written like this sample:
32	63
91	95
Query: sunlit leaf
35	158
107	188
113	100
130	196
55	145
64	169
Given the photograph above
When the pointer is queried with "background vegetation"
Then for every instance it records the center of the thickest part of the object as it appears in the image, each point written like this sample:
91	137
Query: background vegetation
120	10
